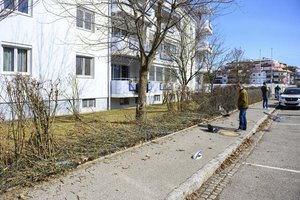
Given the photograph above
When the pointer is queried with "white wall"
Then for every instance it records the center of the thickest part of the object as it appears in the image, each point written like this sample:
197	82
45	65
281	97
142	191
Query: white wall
54	43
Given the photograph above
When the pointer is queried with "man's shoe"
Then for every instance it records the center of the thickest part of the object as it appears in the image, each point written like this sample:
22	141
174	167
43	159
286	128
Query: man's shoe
240	129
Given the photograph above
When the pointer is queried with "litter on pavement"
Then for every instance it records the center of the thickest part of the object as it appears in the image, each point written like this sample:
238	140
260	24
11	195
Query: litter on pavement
197	155
212	129
274	117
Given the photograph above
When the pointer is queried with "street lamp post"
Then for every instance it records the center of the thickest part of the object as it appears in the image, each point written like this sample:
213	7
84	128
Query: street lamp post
271	70
271	66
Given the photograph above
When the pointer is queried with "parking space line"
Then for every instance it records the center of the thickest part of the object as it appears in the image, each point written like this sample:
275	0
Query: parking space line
269	167
282	123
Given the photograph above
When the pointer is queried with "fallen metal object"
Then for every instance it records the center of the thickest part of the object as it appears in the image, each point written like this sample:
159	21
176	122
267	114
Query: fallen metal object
197	155
212	129
226	115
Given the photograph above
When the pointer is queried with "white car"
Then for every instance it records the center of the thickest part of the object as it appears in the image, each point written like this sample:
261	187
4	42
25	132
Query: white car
290	97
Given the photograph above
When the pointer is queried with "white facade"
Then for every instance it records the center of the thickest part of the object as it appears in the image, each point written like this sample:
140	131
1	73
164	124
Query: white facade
258	77
51	46
44	45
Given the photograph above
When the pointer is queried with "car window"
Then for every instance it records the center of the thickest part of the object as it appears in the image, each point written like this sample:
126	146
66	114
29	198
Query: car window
292	91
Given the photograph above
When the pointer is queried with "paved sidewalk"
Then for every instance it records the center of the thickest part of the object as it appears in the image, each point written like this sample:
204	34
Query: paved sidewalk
161	169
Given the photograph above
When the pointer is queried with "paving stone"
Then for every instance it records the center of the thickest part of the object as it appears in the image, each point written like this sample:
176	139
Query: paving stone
215	193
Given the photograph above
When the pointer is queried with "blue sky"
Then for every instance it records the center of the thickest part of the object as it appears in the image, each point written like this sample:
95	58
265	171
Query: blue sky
263	24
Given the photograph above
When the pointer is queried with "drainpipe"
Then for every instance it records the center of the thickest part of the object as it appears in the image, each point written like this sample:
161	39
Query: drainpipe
109	56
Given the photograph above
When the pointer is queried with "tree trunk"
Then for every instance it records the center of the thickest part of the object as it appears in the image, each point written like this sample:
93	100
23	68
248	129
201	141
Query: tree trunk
141	111
183	97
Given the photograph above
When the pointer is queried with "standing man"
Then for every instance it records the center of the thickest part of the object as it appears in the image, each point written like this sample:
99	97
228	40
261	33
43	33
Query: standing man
242	106
277	91
264	91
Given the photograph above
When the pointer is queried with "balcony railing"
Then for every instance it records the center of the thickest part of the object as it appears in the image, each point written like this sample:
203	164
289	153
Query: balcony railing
128	88
123	88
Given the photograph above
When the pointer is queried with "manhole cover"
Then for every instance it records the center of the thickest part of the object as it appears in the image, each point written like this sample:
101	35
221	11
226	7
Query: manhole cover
229	133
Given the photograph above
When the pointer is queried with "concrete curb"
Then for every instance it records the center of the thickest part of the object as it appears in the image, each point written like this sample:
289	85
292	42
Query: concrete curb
202	175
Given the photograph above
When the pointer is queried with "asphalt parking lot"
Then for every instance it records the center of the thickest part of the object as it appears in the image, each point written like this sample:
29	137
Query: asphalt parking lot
272	171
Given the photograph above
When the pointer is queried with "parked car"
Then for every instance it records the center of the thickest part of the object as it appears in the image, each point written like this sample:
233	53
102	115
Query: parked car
290	97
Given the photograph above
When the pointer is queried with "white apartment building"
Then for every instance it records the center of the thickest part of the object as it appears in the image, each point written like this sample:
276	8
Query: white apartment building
276	72
258	76
80	46
295	78
203	47
260	71
37	43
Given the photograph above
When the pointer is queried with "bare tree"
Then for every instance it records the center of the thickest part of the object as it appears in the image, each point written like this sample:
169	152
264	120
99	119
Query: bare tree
185	55
239	69
215	58
73	96
146	22
32	109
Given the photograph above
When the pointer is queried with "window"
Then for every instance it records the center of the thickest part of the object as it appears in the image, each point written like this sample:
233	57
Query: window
170	75
120	72
20	5
152	74
167	50
124	101
16	59
8	59
159	73
116	32
9	4
171	30
133	43
85	19
84	66
23	6
88	103
163	74
156	97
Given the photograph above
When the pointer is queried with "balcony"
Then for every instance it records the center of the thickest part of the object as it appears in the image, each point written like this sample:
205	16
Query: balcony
206	28
204	46
126	88
124	46
121	8
123	89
